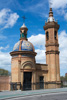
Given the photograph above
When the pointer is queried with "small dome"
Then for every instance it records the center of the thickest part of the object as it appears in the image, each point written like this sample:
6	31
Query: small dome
23	26
25	46
51	19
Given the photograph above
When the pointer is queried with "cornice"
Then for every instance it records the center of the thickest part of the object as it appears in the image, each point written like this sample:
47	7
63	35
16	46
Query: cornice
52	52
23	39
51	25
52	44
42	64
53	82
37	70
22	52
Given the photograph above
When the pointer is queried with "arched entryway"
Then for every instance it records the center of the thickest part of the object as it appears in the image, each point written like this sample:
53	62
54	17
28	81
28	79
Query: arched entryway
27	77
27	81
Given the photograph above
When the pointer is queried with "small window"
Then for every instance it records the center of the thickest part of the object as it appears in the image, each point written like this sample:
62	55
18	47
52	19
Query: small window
41	78
55	35
47	36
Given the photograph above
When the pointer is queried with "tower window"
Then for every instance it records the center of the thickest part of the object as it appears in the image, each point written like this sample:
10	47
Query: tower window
47	36
55	35
24	31
26	35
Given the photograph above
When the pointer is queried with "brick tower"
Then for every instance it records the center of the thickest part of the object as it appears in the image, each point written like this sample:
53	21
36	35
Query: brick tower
52	51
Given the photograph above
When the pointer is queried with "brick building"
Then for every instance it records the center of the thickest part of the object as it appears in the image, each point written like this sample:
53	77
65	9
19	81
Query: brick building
25	72
5	82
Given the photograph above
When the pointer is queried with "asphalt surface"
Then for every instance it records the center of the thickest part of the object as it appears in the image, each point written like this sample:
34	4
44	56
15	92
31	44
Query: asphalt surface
45	94
52	96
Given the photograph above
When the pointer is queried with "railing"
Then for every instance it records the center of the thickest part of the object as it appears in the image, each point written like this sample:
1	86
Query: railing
38	85
28	86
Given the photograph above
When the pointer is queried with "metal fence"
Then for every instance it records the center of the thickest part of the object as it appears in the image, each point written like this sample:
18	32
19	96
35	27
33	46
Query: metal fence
19	86
28	86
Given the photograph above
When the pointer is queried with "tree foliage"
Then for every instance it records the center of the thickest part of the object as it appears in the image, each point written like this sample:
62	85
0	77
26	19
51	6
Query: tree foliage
63	78
4	72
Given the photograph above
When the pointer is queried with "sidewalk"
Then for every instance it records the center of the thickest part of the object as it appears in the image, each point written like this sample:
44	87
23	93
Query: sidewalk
12	94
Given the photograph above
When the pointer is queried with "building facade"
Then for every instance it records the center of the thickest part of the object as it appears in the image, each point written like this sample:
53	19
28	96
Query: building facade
25	72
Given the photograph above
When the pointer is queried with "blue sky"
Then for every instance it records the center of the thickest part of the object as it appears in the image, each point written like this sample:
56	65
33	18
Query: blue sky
36	12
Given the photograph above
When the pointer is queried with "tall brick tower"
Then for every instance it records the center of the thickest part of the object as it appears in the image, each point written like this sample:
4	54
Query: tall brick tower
52	51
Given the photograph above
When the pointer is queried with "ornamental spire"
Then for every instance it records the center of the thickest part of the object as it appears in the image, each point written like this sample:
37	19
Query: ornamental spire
51	13
23	30
51	18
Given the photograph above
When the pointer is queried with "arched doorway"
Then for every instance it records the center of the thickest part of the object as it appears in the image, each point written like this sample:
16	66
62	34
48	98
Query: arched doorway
27	81
28	68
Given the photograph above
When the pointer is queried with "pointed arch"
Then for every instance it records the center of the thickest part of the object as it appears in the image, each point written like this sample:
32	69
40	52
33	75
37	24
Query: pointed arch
55	35
47	35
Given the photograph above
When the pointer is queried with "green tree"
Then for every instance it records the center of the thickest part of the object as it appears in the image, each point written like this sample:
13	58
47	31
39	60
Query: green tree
66	78
62	78
4	72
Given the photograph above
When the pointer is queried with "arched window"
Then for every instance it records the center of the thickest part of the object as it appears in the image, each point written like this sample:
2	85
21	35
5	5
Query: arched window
47	36
26	35
55	35
24	31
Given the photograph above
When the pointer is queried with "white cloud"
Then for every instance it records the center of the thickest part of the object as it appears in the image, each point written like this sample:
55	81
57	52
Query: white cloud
4	13
40	57
63	48
4	48
38	40
58	3
39	43
11	20
5	60
7	18
63	38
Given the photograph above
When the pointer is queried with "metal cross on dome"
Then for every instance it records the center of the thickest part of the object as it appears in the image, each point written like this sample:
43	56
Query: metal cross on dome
24	19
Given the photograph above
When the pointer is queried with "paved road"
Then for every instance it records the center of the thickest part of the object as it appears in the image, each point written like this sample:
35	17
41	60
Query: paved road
52	96
45	94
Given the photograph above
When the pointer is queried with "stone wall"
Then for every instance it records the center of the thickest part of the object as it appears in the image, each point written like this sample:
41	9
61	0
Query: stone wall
5	83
